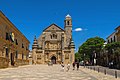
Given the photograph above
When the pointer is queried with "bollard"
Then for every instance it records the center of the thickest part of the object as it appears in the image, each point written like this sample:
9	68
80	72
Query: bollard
94	68
98	70
84	65
115	74
105	71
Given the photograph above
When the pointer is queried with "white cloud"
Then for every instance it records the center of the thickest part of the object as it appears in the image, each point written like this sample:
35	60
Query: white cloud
78	29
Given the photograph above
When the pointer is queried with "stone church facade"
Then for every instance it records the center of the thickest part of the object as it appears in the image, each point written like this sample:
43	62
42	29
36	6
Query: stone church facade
54	45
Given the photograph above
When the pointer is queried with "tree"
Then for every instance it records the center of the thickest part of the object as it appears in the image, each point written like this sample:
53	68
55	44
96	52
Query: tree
77	56
112	46
114	53
91	46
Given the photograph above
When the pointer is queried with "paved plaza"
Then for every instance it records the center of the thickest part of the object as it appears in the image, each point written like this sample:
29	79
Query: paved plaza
45	72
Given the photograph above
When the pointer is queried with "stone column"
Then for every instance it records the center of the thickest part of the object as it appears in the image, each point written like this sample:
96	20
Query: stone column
34	56
63	57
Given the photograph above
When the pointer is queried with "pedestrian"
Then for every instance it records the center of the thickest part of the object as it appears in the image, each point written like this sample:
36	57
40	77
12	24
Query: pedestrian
111	64
77	65
73	65
62	66
68	66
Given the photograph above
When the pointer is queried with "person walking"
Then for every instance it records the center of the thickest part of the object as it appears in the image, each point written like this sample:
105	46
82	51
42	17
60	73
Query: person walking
77	65
68	66
73	65
62	66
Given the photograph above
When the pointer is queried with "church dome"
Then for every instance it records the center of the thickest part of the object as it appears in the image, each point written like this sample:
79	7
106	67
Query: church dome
68	16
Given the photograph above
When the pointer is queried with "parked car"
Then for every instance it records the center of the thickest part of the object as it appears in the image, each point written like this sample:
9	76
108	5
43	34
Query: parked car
81	63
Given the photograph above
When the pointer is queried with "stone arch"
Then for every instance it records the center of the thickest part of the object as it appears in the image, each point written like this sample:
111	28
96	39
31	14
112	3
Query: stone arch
68	22
53	59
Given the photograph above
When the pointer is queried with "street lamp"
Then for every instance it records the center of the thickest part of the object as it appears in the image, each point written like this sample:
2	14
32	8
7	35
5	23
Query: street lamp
104	44
84	59
94	58
106	53
113	61
107	60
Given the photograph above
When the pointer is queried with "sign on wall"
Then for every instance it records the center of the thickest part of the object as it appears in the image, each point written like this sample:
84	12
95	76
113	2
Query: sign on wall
12	37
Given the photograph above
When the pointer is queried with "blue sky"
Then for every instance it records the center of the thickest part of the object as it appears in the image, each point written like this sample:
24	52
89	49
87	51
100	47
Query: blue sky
91	17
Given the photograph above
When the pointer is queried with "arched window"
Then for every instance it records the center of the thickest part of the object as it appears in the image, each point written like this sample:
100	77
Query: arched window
68	23
7	53
114	39
108	41
53	36
111	40
22	56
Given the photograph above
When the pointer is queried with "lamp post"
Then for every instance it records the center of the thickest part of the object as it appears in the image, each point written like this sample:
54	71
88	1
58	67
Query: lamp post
106	53
113	61
84	59
107	60
94	58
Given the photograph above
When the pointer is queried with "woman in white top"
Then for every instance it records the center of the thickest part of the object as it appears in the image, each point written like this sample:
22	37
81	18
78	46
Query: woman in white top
68	66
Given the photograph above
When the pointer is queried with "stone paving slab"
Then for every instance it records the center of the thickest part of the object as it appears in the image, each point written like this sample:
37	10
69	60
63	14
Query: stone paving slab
45	72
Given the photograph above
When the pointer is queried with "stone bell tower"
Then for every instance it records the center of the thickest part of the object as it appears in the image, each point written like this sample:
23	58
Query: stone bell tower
68	29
